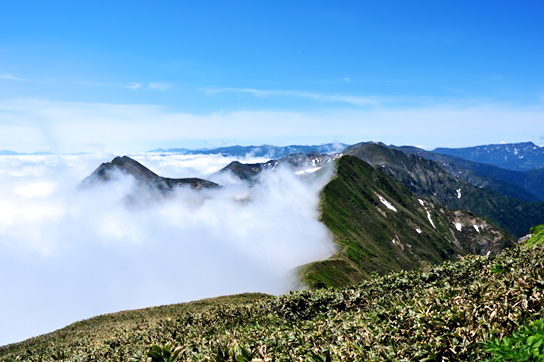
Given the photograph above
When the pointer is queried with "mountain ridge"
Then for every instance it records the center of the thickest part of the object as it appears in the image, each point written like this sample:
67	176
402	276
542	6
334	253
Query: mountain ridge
521	156
524	185
259	151
429	180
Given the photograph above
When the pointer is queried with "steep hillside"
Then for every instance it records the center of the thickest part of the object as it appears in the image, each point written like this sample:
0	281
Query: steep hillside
381	227
513	156
429	180
449	313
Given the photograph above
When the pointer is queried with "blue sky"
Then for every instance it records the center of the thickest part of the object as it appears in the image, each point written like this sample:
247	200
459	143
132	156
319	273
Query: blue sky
123	76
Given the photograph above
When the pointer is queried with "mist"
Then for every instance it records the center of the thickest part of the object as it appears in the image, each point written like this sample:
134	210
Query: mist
68	254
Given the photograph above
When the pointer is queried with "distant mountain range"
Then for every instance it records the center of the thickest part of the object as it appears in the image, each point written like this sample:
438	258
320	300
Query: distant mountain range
525	185
521	157
512	156
272	152
13	153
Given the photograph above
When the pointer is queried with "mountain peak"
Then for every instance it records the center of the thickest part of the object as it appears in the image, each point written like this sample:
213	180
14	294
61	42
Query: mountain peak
144	177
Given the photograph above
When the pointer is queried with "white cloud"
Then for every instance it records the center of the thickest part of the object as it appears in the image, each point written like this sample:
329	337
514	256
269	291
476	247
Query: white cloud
5	76
134	85
30	125
355	100
161	86
67	254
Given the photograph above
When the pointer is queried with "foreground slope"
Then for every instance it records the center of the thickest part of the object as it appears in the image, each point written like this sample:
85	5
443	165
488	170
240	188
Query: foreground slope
381	226
445	314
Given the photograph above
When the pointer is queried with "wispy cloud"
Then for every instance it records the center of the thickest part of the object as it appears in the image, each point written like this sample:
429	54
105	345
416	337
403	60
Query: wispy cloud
160	86
134	85
350	99
155	86
5	76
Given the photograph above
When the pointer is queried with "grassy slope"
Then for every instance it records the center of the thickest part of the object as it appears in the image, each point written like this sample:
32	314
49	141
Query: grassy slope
95	331
445	313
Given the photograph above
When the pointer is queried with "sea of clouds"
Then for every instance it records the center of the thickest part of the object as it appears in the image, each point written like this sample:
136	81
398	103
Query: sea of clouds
68	253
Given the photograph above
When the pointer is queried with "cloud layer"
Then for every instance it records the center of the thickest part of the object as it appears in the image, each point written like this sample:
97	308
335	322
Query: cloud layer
68	254
30	125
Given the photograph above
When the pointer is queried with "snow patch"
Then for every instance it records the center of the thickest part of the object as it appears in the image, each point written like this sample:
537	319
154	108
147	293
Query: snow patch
430	220
309	170
458	193
476	228
387	203
421	202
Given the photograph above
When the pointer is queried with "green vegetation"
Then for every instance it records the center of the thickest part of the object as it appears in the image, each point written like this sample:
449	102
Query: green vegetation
454	311
525	345
537	237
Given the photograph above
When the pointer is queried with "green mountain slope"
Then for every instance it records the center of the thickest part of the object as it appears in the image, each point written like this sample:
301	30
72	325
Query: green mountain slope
445	313
380	226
